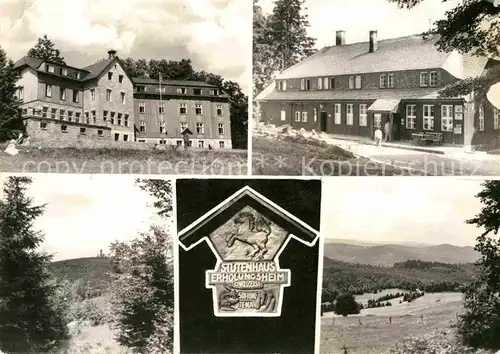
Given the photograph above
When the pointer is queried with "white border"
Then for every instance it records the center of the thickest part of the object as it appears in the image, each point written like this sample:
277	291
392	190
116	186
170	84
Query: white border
319	291
175	242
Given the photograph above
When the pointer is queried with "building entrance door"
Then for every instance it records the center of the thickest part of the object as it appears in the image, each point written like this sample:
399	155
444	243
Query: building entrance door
323	121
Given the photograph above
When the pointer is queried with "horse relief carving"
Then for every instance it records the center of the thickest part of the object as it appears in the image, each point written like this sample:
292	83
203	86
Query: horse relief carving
251	231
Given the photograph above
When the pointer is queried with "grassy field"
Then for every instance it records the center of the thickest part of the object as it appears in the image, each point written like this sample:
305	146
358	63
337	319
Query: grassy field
377	330
125	161
285	155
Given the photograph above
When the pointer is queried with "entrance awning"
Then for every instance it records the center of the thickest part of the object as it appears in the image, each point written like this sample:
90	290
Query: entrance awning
382	105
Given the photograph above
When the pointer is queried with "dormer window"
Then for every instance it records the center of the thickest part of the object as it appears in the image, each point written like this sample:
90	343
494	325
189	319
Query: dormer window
197	91
433	78
141	89
305	84
282	85
77	75
216	92
424	79
320	83
50	68
390	80
181	90
383	81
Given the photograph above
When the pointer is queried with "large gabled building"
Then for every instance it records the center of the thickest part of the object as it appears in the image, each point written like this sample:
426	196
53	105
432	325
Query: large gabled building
102	103
351	89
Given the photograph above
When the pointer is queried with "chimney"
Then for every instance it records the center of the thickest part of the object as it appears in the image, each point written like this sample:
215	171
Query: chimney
340	38
373	41
112	53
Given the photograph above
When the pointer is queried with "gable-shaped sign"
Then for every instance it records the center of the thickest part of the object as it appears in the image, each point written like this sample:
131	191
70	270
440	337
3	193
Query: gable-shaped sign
247	233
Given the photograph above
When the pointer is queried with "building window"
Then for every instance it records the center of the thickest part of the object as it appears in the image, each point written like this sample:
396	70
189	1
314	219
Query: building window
94	119
221	144
315	115
201	143
282	85
390	80
64	72
75	96
383	81
363	117
459	112
351	82
64	128
305	84
197	91
350	114
424	79
110	76
433	79
411	116
77	75
283	115
108	95
320	83
297	116
20	93
122	97
181	90
198	109
304	117
325	83
53	113
496	112
358	82
337	118
92	94
83	131
141	89
44	112
162	127
220	127
70	116
62	94
104	115
332	83
99	132
428	117
178	142
216	92
142	107
61	114
219	110
183	126
117	136
77	117
48	90
125	137
112	118
120	78
447	118
199	128
125	120
50	68
119	119
43	125
183	108
142	126
377	120
161	108
481	119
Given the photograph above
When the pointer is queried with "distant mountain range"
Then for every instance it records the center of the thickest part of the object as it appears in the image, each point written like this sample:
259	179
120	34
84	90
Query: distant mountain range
387	254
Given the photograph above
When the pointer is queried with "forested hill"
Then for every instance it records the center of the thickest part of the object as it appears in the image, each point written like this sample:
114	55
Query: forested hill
409	275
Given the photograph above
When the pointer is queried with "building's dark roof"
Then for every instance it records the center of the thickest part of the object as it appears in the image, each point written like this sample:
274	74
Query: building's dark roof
149	81
97	68
31	62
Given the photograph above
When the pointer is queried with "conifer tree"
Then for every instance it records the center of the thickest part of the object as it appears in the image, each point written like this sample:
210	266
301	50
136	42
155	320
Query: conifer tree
45	49
10	114
29	319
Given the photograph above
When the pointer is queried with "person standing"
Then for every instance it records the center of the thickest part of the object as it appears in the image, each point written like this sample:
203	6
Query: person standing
387	130
378	137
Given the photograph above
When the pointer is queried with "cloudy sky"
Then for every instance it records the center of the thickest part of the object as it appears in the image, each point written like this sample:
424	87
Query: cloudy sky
86	213
358	17
423	210
214	34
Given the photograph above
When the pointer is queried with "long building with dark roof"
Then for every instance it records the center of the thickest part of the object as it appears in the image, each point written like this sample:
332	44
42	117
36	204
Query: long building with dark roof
102	102
352	89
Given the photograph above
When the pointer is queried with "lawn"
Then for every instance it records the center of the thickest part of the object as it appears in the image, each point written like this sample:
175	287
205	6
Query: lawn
125	161
376	331
295	155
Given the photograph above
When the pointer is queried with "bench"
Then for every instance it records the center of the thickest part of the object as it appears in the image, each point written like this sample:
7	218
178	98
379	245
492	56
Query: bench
428	138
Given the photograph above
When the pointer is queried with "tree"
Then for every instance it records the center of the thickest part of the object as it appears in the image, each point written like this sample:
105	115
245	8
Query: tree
143	292
479	325
29	317
264	63
183	70
288	37
346	305
161	190
44	49
10	113
471	27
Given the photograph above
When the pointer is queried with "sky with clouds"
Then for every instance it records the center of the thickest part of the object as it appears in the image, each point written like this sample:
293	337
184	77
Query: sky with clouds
214	34
84	213
401	210
358	17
